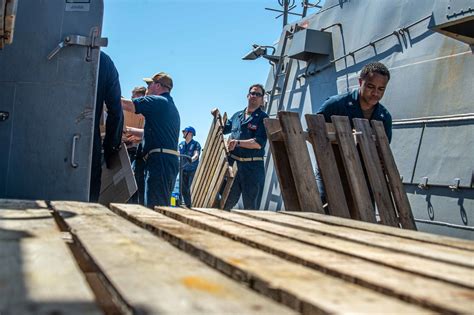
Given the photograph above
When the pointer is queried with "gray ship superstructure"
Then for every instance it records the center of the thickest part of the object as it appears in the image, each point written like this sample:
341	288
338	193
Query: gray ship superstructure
427	45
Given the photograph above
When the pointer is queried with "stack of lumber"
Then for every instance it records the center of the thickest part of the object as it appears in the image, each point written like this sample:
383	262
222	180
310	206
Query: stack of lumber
214	177
79	258
357	168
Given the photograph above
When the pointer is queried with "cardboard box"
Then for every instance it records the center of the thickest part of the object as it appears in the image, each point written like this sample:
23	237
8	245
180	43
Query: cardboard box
133	120
118	182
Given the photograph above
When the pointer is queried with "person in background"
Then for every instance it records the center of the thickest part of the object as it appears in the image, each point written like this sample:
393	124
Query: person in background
135	150
108	92
247	148
192	149
160	138
361	103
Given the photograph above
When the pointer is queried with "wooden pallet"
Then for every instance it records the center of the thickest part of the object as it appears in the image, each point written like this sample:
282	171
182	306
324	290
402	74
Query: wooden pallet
80	258
344	157
214	177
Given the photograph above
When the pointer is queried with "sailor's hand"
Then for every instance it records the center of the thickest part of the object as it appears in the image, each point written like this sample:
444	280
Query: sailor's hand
231	145
215	112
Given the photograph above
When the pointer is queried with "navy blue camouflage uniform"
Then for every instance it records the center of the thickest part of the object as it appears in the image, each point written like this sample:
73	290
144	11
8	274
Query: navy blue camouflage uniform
348	104
189	168
251	174
108	92
161	131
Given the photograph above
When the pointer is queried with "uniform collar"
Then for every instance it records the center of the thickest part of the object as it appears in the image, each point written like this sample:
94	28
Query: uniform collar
255	113
355	101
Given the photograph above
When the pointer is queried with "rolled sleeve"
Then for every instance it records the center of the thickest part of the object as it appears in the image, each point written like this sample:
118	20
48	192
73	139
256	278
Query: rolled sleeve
261	133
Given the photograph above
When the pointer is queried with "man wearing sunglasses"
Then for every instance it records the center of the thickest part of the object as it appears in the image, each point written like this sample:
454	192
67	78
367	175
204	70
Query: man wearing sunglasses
160	138
247	148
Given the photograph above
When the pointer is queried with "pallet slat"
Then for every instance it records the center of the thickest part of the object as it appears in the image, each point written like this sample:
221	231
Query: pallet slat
375	173
300	162
301	288
322	147
282	166
153	276
436	252
398	191
38	274
359	225
457	275
360	193
435	295
211	173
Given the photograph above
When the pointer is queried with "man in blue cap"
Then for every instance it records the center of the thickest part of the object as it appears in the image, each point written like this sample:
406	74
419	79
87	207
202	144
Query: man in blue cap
160	137
192	149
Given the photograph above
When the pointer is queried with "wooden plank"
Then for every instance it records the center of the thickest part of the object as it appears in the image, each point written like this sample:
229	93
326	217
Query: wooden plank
153	276
375	173
325	157
436	295
398	191
358	225
38	274
204	157
203	185
211	177
213	152
300	162
216	181
354	171
436	252
456	275
306	290
282	167
231	175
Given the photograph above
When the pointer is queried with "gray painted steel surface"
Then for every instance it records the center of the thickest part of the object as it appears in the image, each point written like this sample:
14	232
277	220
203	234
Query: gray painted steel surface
430	96
50	102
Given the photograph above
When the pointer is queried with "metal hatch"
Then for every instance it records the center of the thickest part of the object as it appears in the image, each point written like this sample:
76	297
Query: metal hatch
46	137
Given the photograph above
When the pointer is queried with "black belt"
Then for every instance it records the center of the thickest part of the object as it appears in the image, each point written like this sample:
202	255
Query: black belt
161	150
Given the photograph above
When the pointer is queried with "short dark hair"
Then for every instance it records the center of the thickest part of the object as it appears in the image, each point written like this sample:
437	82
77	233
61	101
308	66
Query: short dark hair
139	90
259	86
374	67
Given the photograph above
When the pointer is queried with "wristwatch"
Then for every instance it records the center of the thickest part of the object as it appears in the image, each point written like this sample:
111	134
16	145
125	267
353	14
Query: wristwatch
238	143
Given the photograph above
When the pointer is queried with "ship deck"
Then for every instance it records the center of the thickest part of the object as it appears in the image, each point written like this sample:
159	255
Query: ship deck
84	258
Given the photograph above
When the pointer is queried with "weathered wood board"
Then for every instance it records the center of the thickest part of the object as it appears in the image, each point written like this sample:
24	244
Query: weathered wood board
434	294
151	275
306	290
82	258
209	182
38	275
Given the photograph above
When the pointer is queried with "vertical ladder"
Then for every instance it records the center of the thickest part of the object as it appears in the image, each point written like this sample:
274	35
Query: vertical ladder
280	72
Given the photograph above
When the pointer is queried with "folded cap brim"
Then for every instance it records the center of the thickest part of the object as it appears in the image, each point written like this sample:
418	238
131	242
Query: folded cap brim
148	80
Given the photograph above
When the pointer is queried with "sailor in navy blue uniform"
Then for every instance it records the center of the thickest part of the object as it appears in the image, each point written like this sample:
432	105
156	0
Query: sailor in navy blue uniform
160	138
361	103
108	92
192	149
247	148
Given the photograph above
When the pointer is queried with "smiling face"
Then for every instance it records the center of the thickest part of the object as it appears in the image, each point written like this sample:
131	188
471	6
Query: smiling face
372	89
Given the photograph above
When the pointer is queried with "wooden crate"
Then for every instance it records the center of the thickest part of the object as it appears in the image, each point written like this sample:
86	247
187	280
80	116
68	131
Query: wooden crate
357	168
80	258
214	177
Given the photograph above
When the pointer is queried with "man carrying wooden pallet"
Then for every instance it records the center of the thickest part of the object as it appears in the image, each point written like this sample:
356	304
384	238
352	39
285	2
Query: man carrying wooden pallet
247	148
361	103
